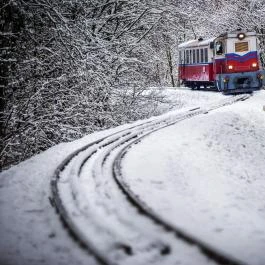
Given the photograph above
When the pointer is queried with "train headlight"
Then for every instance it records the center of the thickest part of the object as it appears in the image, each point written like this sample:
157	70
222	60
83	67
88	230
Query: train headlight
226	79
254	65
230	66
241	36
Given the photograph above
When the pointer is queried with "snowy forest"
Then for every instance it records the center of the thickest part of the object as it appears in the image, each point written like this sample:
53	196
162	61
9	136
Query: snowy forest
72	67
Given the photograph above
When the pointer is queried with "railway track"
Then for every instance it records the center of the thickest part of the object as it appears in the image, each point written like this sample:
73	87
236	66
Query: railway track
107	218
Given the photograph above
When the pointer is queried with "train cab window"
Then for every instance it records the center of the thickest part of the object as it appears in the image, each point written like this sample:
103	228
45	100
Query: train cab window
219	48
198	56
193	54
206	55
202	58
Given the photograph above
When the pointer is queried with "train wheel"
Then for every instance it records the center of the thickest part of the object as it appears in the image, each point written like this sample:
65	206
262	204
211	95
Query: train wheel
192	85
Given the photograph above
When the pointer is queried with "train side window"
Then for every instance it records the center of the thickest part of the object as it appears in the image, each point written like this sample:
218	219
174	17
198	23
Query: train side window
202	56
206	55
190	56
219	48
187	56
198	55
194	59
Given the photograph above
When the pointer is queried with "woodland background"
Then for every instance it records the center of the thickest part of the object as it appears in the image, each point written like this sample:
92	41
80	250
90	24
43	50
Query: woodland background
72	67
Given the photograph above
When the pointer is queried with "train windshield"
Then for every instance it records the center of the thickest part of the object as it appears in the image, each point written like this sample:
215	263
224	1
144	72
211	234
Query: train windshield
219	49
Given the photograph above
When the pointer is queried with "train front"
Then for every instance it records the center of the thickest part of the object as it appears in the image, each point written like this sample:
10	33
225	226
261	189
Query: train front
236	63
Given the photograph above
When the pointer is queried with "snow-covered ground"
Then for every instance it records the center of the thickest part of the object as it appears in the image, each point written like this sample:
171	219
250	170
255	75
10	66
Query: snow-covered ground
205	175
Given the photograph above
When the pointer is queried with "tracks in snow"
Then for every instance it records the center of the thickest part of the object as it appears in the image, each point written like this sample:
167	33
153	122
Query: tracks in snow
108	219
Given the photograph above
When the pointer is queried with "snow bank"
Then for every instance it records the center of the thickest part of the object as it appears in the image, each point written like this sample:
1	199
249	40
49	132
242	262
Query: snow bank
206	176
31	232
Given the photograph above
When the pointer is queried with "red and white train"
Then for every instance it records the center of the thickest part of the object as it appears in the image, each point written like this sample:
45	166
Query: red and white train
229	63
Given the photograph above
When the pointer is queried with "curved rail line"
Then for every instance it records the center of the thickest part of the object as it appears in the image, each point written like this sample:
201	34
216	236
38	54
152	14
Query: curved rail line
121	141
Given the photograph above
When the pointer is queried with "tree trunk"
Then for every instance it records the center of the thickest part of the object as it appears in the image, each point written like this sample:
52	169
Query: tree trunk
170	65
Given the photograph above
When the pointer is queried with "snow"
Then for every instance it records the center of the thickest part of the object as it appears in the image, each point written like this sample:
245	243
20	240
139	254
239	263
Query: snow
184	99
195	43
108	223
206	176
31	232
209	183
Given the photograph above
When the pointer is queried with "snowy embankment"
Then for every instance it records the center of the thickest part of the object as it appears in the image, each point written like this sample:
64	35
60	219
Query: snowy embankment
206	176
31	232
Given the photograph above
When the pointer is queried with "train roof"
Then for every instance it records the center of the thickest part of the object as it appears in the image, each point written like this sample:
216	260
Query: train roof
200	42
233	34
196	43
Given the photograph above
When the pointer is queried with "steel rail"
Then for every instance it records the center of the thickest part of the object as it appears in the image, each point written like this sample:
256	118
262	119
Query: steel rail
154	126
210	251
